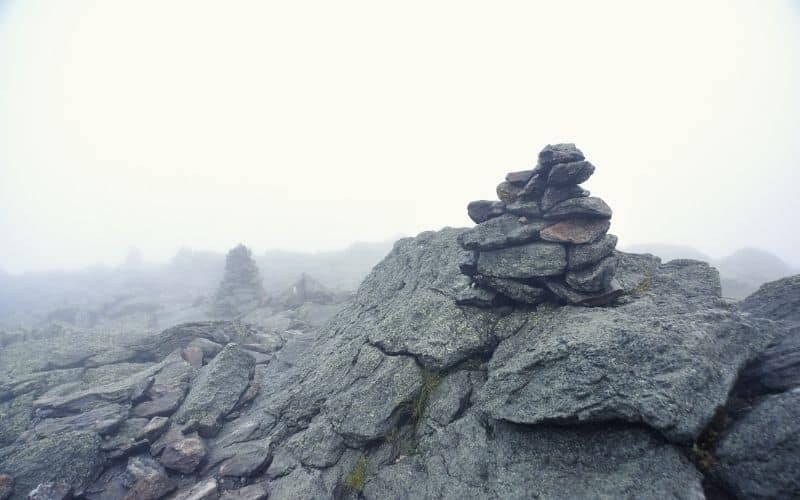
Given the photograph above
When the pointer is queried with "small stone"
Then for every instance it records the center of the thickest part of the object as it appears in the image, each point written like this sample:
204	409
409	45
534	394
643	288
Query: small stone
570	173
560	153
554	195
591	207
193	355
507	192
483	210
51	491
6	486
515	290
164	404
206	490
595	278
500	232
478	297
468	262
154	429
576	231
575	297
184	455
579	256
526	261
535	187
103	420
525	208
150	480
252	492
519	178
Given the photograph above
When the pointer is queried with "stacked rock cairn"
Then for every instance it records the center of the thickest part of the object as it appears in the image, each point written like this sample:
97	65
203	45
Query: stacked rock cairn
546	239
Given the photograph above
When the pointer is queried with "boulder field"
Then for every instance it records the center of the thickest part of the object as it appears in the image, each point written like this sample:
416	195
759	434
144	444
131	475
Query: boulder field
406	394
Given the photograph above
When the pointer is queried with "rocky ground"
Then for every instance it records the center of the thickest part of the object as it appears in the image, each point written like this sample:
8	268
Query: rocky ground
672	392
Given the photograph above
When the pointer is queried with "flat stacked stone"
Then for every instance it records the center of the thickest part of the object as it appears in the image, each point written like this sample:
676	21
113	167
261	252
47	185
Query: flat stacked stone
545	239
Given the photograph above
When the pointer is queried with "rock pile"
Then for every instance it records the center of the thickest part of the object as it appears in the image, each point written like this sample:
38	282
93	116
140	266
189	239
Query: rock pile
241	290
545	238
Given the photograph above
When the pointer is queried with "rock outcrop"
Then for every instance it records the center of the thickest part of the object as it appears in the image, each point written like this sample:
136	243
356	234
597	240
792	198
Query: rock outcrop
407	394
545	238
241	290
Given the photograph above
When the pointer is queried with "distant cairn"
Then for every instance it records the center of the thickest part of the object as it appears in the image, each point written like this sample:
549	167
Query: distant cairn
545	239
240	291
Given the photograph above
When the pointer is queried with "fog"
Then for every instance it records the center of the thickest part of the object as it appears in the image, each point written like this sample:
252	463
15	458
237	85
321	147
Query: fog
309	125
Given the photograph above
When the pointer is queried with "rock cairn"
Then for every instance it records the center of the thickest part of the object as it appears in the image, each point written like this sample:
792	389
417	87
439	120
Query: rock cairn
241	290
546	238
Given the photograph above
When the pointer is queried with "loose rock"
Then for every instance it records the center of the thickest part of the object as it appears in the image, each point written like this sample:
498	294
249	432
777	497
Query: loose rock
483	210
576	231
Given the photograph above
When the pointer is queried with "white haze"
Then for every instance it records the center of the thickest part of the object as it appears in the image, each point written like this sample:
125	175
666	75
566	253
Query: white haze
311	124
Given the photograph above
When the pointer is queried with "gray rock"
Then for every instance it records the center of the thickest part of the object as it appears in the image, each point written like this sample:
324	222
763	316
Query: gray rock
519	178
318	446
217	389
154	429
473	459
204	490
594	278
759	456
477	296
252	492
667	360
500	232
184	455
573	173
559	153
368	409
579	256
71	458
103	420
533	260
483	210
149	479
588	207
521	292
507	192
777	300
468	262
126	440
576	231
529	209
537	184
556	194
6	486
51	491
576	298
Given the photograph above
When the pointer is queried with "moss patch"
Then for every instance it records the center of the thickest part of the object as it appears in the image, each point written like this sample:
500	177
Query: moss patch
358	476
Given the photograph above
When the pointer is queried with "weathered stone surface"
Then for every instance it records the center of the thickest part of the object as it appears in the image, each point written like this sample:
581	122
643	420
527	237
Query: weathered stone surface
570	173
483	210
521	292
51	491
154	429
71	458
318	446
103	420
184	455
473	459
556	194
667	359
537	184
193	355
777	368
164	404
589	207
576	231
533	260
759	456
519	178
559	153
369	409
149	479
252	492
574	297
468	262
594	278
217	389
204	490
579	256
125	440
529	209
507	192
500	232
478	297
6	486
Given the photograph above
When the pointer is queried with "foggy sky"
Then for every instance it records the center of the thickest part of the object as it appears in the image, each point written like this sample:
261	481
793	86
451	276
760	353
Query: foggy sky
312	124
